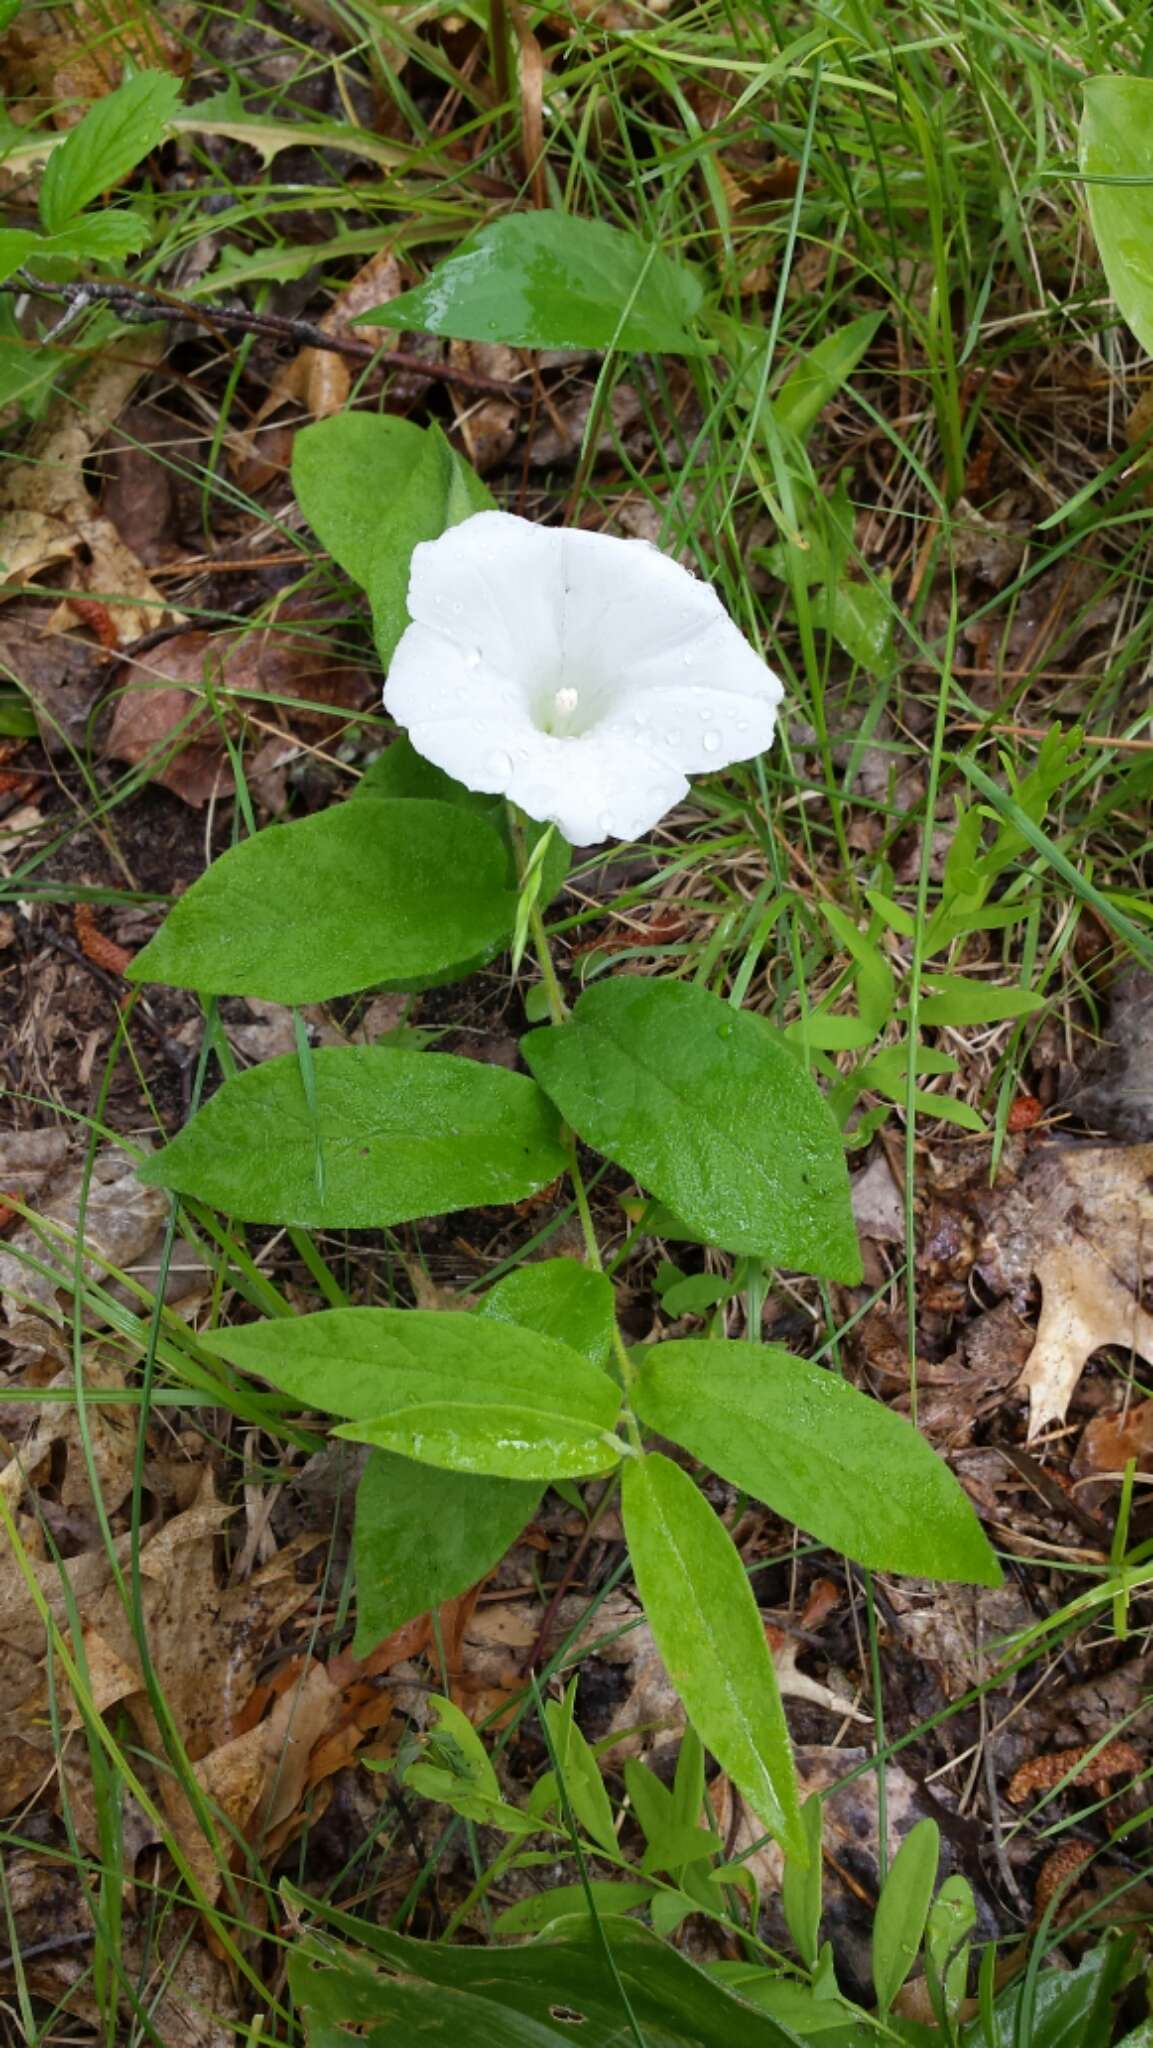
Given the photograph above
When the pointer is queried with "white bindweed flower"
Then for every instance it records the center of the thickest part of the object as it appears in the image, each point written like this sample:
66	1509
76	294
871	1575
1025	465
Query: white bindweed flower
582	676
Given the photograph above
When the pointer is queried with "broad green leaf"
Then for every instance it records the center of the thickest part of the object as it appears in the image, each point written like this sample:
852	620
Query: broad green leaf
365	1362
564	1901
577	1770
712	1111
116	134
372	488
379	1137
522	1438
421	1536
440	491
710	1633
401	772
563	1299
819	375
359	894
348	473
675	2004
552	280
1116	142
801	1887
902	1909
821	1454
955	999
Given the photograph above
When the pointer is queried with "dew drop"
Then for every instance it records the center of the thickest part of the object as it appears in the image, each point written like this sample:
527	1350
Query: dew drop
604	822
688	657
711	742
742	725
724	1030
672	739
499	763
472	658
704	714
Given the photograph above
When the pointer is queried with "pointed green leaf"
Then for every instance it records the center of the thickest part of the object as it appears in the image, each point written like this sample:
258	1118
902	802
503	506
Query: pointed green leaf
713	1112
348	473
819	375
551	280
560	1297
364	1362
823	1455
386	1137
957	1000
1116	142
116	134
422	1535
523	1438
709	1631
359	894
902	1909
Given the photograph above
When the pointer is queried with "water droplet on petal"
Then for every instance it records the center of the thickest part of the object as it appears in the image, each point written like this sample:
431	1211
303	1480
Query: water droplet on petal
499	763
672	739
711	742
742	725
457	606
605	822
688	657
472	658
704	714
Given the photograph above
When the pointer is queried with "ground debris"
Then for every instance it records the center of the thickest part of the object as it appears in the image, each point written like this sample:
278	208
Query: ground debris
1079	1219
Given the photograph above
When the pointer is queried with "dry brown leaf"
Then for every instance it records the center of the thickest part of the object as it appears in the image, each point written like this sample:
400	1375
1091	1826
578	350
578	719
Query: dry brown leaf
318	379
162	718
488	426
1111	1440
47	515
122	1221
67	56
1079	1219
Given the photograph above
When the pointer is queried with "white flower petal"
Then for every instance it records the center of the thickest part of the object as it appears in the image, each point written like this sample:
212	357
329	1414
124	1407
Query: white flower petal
580	675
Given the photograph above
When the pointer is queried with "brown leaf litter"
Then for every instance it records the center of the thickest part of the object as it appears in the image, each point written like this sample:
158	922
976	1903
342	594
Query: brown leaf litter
48	517
1078	1219
182	701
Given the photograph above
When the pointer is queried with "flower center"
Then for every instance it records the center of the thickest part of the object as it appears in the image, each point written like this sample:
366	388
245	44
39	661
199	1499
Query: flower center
561	713
564	704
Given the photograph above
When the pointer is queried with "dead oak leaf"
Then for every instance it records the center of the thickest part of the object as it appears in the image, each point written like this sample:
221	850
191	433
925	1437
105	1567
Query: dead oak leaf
1079	1220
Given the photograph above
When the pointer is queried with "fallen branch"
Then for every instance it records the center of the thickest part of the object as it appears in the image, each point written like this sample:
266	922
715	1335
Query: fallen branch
222	316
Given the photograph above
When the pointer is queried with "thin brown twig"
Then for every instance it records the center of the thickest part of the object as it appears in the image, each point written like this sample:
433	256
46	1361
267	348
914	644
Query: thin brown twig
134	304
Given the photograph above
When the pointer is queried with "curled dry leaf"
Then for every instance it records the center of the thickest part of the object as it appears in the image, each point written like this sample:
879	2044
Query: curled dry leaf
316	378
48	517
1080	1220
